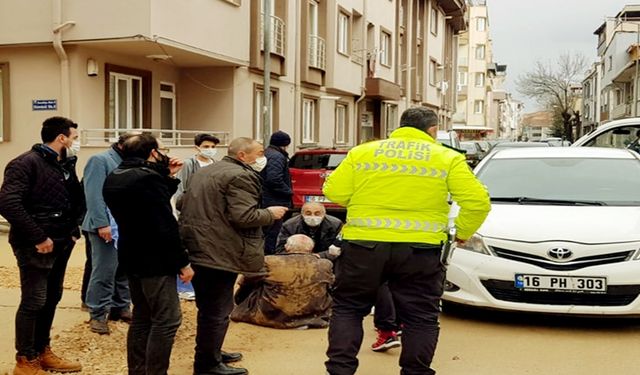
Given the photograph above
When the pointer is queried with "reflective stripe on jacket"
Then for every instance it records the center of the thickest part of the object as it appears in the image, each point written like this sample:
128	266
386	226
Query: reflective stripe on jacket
396	190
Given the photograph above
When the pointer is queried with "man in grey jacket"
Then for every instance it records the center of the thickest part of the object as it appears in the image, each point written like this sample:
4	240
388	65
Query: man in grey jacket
221	226
108	289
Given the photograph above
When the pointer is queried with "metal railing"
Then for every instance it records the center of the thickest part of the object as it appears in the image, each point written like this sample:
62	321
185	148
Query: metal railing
317	57
356	51
277	35
104	137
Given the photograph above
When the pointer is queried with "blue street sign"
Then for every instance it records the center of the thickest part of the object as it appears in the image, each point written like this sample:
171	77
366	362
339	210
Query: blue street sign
44	104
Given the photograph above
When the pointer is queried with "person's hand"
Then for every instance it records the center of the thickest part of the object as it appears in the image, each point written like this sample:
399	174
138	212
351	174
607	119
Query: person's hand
45	247
334	251
175	165
186	274
105	233
277	212
460	242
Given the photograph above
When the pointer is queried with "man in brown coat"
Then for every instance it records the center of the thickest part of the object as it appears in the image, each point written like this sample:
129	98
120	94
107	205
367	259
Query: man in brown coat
221	226
294	293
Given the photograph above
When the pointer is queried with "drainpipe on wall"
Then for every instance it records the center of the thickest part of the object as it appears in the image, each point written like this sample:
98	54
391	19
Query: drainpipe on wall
365	68
65	79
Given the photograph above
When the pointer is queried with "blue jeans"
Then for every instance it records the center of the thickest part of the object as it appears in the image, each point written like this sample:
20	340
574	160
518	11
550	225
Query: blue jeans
108	288
156	318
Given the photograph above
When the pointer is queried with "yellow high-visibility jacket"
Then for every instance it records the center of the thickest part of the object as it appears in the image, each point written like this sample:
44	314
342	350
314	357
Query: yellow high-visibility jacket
396	190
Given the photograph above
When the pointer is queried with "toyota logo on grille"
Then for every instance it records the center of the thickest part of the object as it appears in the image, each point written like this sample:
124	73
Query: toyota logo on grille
560	253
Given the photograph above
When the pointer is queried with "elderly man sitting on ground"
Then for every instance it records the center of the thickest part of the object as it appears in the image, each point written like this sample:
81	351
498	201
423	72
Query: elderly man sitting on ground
293	292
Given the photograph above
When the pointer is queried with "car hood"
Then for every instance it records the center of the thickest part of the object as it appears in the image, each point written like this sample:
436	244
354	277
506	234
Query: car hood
537	223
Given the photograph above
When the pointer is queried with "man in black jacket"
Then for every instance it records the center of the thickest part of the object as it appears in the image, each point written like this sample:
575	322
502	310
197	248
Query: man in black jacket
42	199
313	222
276	184
138	194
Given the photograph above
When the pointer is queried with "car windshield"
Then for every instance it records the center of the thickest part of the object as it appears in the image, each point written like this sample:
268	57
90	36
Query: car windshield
581	180
316	161
469	147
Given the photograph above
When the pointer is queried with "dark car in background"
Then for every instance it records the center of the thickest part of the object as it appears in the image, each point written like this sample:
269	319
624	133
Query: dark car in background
309	168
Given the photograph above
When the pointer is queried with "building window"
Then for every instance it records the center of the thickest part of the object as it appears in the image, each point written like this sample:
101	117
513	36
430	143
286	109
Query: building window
167	109
309	120
434	21
125	101
390	117
462	78
479	79
341	123
478	106
481	24
258	112
480	51
385	48
343	33
433	71
4	102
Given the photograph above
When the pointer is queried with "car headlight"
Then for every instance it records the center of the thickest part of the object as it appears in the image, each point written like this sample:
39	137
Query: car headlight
475	243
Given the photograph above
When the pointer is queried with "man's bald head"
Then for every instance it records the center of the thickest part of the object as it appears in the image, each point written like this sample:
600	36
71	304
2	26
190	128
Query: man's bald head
299	243
245	149
313	208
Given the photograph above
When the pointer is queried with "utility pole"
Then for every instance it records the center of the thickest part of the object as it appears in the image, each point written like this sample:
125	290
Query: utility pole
266	93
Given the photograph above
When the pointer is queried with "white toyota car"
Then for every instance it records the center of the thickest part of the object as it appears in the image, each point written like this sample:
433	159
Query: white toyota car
563	235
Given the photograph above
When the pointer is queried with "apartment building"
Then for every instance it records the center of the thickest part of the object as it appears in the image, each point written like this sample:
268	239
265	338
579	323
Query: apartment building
341	70
618	52
474	63
591	88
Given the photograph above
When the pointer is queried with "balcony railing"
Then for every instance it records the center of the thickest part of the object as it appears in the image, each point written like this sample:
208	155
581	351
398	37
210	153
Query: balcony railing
317	57
277	35
621	111
104	137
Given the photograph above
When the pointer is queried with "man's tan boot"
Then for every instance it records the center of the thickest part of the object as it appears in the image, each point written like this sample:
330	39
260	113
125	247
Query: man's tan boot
51	362
28	367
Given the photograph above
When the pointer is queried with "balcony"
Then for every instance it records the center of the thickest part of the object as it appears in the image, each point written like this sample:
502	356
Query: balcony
317	57
277	35
104	137
621	111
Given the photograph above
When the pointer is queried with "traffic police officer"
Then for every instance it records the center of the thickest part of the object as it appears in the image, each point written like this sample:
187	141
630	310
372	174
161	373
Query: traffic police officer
396	194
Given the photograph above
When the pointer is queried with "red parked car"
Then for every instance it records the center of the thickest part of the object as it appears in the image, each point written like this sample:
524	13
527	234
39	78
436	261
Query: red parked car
309	168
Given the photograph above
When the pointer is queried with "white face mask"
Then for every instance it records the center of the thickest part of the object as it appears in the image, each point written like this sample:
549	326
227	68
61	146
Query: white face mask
74	149
259	164
209	152
312	221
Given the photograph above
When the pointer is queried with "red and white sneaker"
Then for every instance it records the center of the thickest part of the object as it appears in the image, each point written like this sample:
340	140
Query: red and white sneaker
386	340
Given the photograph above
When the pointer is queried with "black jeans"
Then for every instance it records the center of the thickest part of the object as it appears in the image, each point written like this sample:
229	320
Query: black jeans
86	275
214	299
384	317
415	276
41	282
156	318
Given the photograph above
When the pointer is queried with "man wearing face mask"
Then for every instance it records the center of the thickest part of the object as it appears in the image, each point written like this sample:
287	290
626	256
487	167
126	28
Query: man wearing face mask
276	184
42	199
221	225
314	222
206	151
150	251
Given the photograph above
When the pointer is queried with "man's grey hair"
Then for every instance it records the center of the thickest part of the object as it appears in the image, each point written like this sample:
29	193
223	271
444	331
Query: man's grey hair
315	204
299	243
241	144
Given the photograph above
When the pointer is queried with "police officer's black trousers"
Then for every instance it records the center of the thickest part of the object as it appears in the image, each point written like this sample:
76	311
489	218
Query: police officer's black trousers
415	276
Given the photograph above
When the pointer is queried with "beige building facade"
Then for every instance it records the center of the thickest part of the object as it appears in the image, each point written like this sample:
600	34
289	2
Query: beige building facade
342	71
